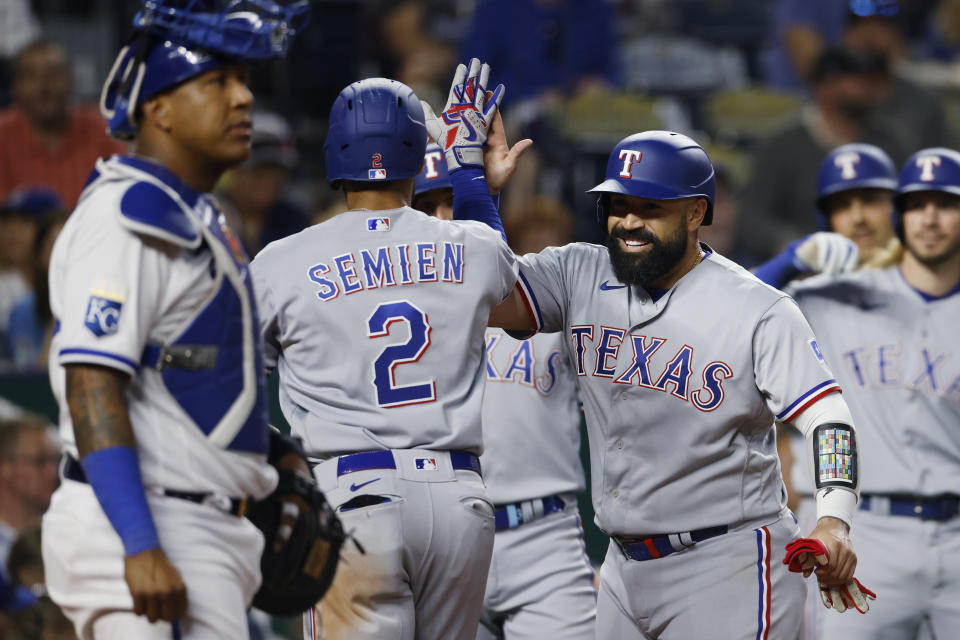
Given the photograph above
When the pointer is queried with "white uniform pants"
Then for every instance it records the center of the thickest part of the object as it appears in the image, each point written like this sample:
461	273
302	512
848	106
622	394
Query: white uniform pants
217	555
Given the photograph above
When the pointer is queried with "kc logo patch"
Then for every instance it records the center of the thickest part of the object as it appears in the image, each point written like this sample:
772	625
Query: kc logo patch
103	315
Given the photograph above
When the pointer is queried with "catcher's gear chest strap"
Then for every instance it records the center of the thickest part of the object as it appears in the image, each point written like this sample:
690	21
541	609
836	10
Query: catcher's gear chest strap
72	470
384	459
939	508
663	545
511	516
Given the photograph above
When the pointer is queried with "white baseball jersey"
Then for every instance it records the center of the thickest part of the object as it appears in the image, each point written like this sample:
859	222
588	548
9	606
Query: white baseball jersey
895	356
531	419
680	392
375	320
120	282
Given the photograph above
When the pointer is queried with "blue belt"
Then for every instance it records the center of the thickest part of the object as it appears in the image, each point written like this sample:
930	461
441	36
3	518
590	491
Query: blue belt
940	508
383	459
511	516
664	545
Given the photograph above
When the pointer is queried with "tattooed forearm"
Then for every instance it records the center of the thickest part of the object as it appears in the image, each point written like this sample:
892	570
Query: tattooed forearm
98	407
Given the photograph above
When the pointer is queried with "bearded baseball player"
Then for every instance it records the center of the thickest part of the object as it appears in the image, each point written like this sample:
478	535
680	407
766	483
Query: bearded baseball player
887	332
855	187
531	463
375	321
156	357
680	408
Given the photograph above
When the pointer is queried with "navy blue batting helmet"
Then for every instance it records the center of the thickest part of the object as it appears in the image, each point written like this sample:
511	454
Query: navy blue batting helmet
852	166
659	165
376	133
934	169
434	174
179	39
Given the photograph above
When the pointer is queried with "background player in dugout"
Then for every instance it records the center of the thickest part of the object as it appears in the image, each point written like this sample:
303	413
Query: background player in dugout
387	396
889	333
531	441
653	203
144	538
854	208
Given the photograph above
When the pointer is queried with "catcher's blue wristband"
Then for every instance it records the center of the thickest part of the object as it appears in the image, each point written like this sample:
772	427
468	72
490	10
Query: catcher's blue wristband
782	268
472	200
114	475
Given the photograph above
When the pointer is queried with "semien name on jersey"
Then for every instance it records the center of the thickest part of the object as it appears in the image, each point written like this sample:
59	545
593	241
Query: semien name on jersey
388	266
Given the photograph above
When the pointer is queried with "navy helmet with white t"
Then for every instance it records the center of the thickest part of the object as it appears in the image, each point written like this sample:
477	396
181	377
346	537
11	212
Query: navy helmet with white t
434	174
659	165
852	166
176	40
376	133
934	169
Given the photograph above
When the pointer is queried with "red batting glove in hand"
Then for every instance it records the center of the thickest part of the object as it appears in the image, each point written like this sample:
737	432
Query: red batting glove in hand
852	595
803	554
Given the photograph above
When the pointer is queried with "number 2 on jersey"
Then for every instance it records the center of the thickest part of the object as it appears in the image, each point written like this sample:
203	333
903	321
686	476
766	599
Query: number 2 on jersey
389	394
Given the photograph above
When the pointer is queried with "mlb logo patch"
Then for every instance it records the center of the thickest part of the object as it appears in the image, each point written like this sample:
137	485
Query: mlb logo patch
377	174
378	224
103	315
426	464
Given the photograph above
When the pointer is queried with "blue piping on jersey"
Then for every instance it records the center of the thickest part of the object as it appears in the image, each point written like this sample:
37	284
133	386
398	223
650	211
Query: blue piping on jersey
102	354
929	297
533	299
820	386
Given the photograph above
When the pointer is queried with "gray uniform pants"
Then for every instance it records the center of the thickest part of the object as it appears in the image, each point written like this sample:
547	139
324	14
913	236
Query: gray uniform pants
734	587
914	568
427	546
541	582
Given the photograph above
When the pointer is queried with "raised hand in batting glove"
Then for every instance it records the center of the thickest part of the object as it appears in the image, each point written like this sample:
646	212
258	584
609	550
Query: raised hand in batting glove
462	127
826	252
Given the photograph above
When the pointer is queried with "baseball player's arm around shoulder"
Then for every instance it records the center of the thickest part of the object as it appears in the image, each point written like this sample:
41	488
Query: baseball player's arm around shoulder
513	315
107	448
828	428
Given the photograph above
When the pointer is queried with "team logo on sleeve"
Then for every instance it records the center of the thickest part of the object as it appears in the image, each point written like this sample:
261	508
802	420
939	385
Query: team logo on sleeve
378	224
103	314
816	350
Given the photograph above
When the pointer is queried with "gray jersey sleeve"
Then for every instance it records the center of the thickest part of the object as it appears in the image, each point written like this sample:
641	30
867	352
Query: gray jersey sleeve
788	364
269	319
542	281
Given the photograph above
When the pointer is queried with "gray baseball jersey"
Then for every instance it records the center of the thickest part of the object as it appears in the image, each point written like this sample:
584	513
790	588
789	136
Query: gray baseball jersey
376	320
892	352
680	407
531	419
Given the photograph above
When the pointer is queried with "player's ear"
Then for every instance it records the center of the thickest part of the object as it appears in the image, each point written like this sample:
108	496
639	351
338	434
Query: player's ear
695	213
156	113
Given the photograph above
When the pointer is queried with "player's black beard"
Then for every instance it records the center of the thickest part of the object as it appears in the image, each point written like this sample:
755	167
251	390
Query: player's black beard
645	269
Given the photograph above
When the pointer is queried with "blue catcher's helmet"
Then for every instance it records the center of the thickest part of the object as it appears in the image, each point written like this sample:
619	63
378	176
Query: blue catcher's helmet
434	174
179	39
852	166
659	165
934	169
376	133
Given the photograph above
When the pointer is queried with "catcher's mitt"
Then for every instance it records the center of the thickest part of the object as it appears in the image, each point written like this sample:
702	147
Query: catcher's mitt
296	576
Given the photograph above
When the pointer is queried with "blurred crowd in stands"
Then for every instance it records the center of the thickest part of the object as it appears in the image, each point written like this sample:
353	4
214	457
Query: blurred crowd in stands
767	86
